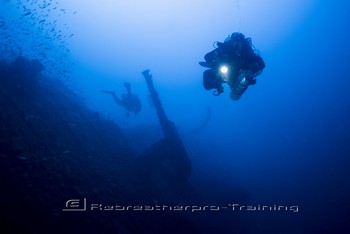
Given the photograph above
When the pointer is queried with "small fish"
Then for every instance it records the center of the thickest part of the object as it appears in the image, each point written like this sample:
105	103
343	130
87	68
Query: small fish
28	13
74	12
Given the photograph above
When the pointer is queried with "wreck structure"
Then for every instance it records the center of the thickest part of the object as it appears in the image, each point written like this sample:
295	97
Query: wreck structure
167	156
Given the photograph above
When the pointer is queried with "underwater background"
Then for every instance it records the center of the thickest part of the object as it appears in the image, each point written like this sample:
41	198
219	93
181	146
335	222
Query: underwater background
275	161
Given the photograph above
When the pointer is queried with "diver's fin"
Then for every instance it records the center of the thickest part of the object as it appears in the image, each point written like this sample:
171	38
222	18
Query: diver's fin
204	64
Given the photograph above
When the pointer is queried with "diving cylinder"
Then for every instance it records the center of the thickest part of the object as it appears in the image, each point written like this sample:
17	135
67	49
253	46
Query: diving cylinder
239	87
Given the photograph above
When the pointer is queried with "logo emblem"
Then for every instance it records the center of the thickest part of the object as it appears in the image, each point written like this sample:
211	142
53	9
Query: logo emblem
75	205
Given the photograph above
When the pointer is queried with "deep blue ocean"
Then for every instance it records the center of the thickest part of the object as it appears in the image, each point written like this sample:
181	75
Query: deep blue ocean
285	143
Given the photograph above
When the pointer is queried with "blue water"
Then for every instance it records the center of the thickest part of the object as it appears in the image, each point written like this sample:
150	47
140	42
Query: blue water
285	142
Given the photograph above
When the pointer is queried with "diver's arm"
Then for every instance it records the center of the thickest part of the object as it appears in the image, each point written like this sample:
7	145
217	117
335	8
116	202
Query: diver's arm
106	91
116	99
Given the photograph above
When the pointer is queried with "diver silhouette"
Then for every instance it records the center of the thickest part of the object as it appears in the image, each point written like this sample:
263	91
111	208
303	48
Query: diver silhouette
129	101
234	62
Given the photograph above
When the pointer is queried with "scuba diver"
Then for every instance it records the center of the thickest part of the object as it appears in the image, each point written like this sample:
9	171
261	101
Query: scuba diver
129	101
234	62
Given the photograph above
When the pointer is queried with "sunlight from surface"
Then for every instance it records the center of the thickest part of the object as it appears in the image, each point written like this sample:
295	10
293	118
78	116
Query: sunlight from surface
109	34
